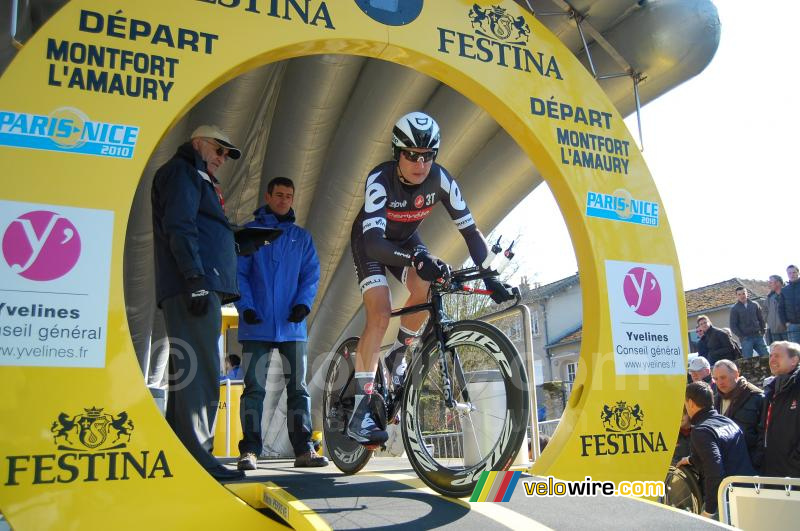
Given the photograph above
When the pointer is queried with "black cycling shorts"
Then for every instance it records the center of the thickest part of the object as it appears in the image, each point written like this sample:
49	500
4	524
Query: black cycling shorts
370	272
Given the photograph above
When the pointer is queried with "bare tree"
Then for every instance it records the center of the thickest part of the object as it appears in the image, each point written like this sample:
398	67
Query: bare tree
470	306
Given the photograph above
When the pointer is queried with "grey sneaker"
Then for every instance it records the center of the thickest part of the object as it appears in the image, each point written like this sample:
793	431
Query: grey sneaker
310	460
247	461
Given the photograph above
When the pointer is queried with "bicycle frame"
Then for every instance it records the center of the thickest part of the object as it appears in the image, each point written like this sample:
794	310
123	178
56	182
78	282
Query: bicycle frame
438	323
453	283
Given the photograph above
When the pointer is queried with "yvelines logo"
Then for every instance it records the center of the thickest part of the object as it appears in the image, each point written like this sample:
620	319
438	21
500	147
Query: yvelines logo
498	38
624	433
391	12
41	245
67	129
91	447
642	291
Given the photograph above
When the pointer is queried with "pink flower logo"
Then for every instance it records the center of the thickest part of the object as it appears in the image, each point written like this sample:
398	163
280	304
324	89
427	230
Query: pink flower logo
41	245
642	291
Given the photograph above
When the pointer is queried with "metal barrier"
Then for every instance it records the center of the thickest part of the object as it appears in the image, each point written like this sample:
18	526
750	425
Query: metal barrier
445	445
766	502
449	445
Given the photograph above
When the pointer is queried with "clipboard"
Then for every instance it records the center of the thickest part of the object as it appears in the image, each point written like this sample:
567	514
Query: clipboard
250	239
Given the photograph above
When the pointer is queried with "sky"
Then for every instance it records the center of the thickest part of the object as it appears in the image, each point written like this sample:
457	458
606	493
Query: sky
722	149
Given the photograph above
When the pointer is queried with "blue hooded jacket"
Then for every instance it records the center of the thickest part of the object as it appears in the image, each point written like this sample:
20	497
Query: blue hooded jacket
275	279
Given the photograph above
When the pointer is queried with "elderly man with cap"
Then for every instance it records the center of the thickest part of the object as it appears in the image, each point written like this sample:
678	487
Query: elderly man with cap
700	371
195	270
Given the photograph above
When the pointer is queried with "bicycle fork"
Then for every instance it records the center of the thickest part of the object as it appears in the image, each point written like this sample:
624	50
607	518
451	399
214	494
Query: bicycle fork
447	387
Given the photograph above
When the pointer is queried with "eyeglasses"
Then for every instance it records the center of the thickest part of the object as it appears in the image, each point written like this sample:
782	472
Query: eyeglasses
416	156
220	151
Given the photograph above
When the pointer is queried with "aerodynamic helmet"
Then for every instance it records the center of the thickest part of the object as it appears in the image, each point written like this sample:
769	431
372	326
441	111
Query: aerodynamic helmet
415	130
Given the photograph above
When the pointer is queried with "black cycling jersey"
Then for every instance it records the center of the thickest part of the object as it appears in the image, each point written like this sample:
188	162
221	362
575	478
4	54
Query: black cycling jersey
392	212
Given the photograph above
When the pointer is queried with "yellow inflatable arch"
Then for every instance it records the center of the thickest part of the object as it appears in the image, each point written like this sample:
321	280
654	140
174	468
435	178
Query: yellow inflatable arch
86	102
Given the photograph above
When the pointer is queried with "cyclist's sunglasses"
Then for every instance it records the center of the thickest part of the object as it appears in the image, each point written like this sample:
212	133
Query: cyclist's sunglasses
416	156
220	151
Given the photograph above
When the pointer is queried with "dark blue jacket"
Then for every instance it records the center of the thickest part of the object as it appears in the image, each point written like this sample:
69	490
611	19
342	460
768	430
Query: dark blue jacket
719	450
275	279
191	235
789	305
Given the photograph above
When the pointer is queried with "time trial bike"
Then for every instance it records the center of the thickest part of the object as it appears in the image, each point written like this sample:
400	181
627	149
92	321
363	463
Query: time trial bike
464	404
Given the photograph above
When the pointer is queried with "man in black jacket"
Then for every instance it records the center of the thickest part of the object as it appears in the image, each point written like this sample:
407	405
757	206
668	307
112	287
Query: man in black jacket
718	448
790	304
718	343
742	402
747	322
782	431
195	269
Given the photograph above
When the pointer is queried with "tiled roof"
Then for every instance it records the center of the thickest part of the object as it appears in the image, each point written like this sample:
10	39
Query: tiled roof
723	294
548	290
572	337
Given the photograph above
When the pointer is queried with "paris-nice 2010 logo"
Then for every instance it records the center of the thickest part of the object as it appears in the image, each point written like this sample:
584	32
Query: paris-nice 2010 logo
41	245
642	291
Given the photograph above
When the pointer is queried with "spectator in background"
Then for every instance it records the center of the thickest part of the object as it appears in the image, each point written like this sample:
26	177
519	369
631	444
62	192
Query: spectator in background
742	402
790	305
702	348
718	448
700	371
782	431
278	285
776	326
233	370
747	322
195	270
719	344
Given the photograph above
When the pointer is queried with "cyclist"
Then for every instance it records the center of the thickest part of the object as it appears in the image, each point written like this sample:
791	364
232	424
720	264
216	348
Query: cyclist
400	194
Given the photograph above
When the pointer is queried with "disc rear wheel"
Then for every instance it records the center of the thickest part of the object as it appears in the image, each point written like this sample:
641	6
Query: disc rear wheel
337	408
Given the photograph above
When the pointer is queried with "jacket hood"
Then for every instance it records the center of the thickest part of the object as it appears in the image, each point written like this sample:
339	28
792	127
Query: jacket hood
264	214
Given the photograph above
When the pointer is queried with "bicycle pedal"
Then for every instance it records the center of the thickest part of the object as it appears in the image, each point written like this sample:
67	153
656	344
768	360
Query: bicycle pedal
372	447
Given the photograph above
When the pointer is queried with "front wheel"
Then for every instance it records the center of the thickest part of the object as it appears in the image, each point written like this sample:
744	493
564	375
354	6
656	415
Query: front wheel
449	447
337	407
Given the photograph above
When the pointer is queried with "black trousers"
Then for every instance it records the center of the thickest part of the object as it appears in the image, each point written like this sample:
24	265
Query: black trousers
193	375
